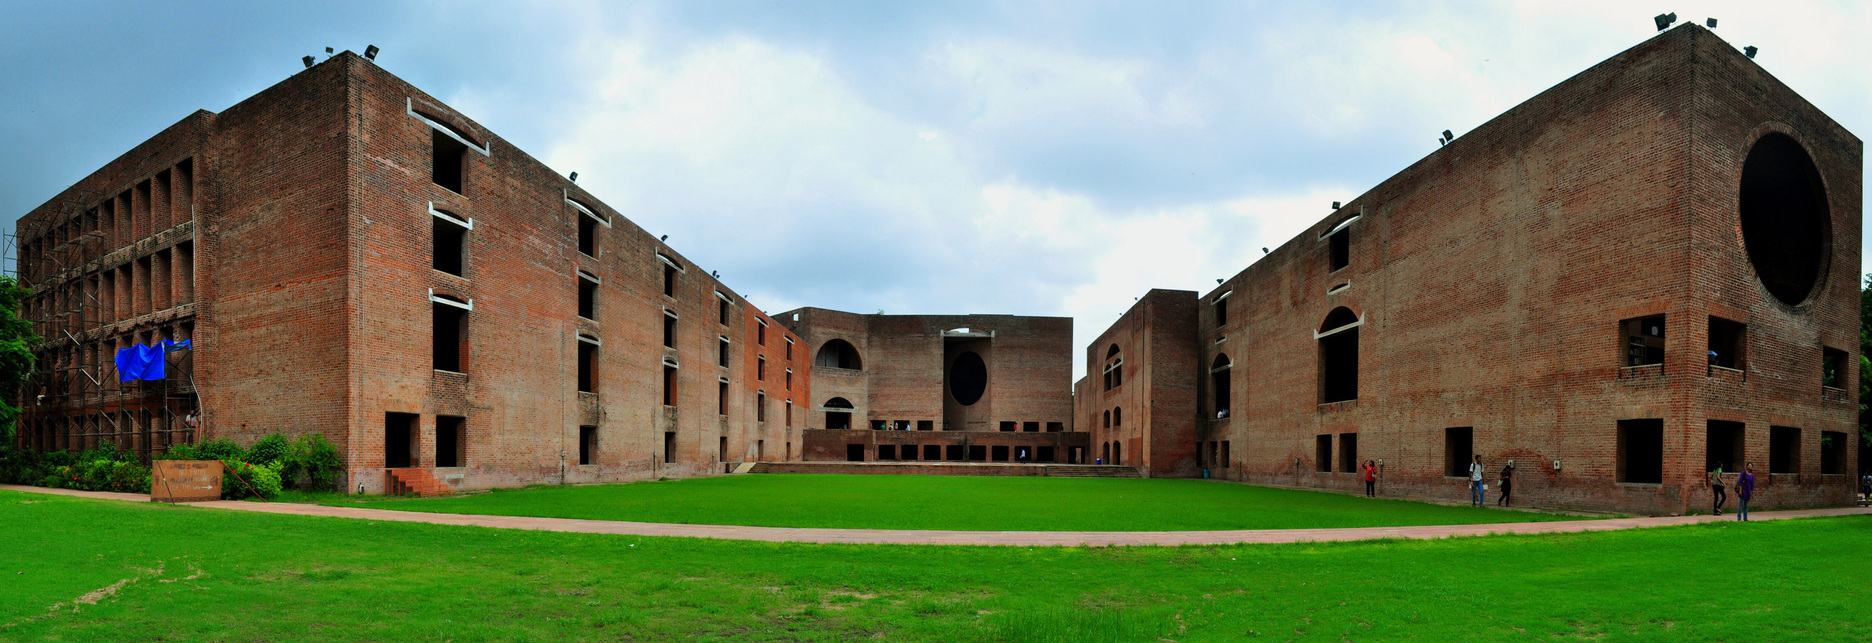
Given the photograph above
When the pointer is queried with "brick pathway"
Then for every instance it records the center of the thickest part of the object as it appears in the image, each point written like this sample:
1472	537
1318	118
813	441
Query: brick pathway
943	537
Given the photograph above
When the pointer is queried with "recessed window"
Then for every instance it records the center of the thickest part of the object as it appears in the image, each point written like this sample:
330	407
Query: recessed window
1728	343
968	378
1458	450
669	329
722	359
1030	427
760	332
1723	446
760	368
838	353
587	296
721	398
789	379
588	445
1833	367
588	236
789	349
760	407
1340	248
1106	421
1322	453
1114	368
1008	427
1219	371
587	364
1348	453
1644	340
451	441
448	161
1784	449
1641	451
669	281
449	243
1832	452
1338	356
669	384
450	333
1221	309
723	305
1117	416
1786	228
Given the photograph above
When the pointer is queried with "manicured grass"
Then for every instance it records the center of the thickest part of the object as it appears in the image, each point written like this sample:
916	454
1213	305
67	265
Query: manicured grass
188	573
955	502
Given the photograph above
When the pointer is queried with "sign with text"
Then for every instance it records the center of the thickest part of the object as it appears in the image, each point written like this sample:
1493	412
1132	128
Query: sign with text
185	480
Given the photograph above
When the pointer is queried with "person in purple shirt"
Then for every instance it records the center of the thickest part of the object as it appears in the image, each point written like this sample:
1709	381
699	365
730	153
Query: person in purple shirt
1745	490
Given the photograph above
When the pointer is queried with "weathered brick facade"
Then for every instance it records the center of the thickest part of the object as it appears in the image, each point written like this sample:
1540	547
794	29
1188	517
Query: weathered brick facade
1484	289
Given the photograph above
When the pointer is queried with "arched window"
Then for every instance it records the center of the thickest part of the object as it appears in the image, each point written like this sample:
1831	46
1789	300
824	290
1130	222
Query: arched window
838	412
1117	416
1105	453
1338	356
838	353
1219	381
1114	368
1107	419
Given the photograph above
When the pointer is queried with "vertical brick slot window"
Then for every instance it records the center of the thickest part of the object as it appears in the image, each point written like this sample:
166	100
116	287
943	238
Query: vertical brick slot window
1458	451
587	296
669	281
669	329
1219	371
1643	343
588	445
450	332
760	407
721	303
587	364
1338	356
1322	453
1728	344
721	397
669	384
1339	249
1118	416
449	242
1348	452
588	236
451	444
1784	449
448	160
721	359
760	369
1221	309
1832	368
669	447
1832	453
1641	451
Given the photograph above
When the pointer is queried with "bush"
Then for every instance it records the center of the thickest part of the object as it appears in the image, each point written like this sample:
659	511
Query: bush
313	460
223	449
269	450
243	479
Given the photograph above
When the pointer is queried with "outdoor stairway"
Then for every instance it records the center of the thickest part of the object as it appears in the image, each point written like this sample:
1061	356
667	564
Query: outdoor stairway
415	482
1091	471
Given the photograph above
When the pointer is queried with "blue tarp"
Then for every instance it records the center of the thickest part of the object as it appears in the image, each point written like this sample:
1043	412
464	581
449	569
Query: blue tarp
141	362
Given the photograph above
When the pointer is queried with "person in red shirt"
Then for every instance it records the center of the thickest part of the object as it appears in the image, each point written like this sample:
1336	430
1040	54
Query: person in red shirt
1371	478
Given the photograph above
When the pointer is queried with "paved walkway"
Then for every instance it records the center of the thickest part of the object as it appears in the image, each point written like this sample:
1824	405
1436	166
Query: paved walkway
944	537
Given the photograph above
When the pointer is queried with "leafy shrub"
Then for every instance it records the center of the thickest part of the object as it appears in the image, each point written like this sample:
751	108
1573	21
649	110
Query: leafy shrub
313	460
243	479
269	450
223	449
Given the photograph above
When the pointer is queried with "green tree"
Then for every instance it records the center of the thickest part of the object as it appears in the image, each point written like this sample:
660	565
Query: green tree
16	358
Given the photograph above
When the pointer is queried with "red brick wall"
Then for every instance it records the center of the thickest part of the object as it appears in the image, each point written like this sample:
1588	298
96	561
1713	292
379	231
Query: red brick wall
1155	401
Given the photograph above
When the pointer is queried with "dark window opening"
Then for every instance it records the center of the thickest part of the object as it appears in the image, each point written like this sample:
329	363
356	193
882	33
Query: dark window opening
968	378
1221	312
1641	451
399	439
587	367
955	453
1723	446
854	453
1644	340
789	379
450	246
926	425
1728	343
977	453
1458	451
588	235
1784	449
669	330
932	452
450	337
1117	416
1348	452
1117	453
587	298
1785	225
1030	427
451	441
1007	427
1056	427
1322	453
1832	453
887	452
760	368
789	413
1224	456
669	447
588	445
723	305
1338	355
721	449
837	420
760	407
448	161
722	358
1833	368
669	385
1107	420
838	353
669	280
1046	454
721	398
1340	248
1000	454
760	334
1219	371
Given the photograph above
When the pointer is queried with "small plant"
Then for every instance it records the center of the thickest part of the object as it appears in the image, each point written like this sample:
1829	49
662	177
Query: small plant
314	460
269	450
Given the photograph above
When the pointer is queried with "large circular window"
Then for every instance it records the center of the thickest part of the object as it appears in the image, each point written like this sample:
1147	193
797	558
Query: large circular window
968	378
1785	226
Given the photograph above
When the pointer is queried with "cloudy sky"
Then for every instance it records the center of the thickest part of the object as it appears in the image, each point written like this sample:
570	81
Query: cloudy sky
1029	158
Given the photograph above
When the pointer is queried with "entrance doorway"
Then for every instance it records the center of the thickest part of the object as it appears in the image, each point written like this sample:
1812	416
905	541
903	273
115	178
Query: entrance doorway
399	439
854	453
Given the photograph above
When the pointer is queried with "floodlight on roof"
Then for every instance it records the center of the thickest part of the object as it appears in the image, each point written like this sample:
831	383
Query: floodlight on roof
1335	205
663	238
1709	22
308	60
1749	51
328	51
1664	20
574	177
1447	135
370	53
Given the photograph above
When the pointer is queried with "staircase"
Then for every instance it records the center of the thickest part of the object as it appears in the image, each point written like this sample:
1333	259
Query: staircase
415	482
1091	471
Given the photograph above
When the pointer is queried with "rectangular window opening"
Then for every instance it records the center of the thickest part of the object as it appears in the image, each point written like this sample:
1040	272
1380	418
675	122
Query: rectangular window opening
450	243
1341	248
399	439
1832	453
1055	427
451	443
1833	368
955	453
1348	453
1322	453
587	367
587	298
448	161
1723	446
588	236
1030	427
669	447
450	337
887	452
932	452
722	358
760	368
669	385
588	445
1641	451
669	280
1007	427
854	453
1221	312
1784	449
1458	451
760	407
669	330
721	399
1728	343
723	305
1644	340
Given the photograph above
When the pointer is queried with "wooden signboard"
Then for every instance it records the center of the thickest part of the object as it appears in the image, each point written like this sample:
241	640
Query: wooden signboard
185	480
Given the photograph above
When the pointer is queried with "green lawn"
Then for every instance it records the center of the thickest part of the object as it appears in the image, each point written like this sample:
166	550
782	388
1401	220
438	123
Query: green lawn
188	573
955	502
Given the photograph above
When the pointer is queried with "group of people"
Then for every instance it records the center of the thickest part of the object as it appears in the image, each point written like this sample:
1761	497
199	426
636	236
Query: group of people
1477	488
1744	487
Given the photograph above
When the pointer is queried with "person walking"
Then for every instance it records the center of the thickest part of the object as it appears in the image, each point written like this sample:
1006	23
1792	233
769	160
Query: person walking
1718	489
1371	478
1745	490
1475	482
1507	485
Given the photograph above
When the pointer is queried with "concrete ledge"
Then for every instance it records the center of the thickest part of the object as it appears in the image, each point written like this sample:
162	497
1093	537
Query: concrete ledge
944	468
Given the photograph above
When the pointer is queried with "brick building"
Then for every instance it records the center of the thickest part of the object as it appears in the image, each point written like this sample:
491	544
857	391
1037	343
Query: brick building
352	257
983	388
1639	274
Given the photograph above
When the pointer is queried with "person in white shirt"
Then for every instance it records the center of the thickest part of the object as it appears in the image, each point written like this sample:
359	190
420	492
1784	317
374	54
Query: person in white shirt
1475	482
